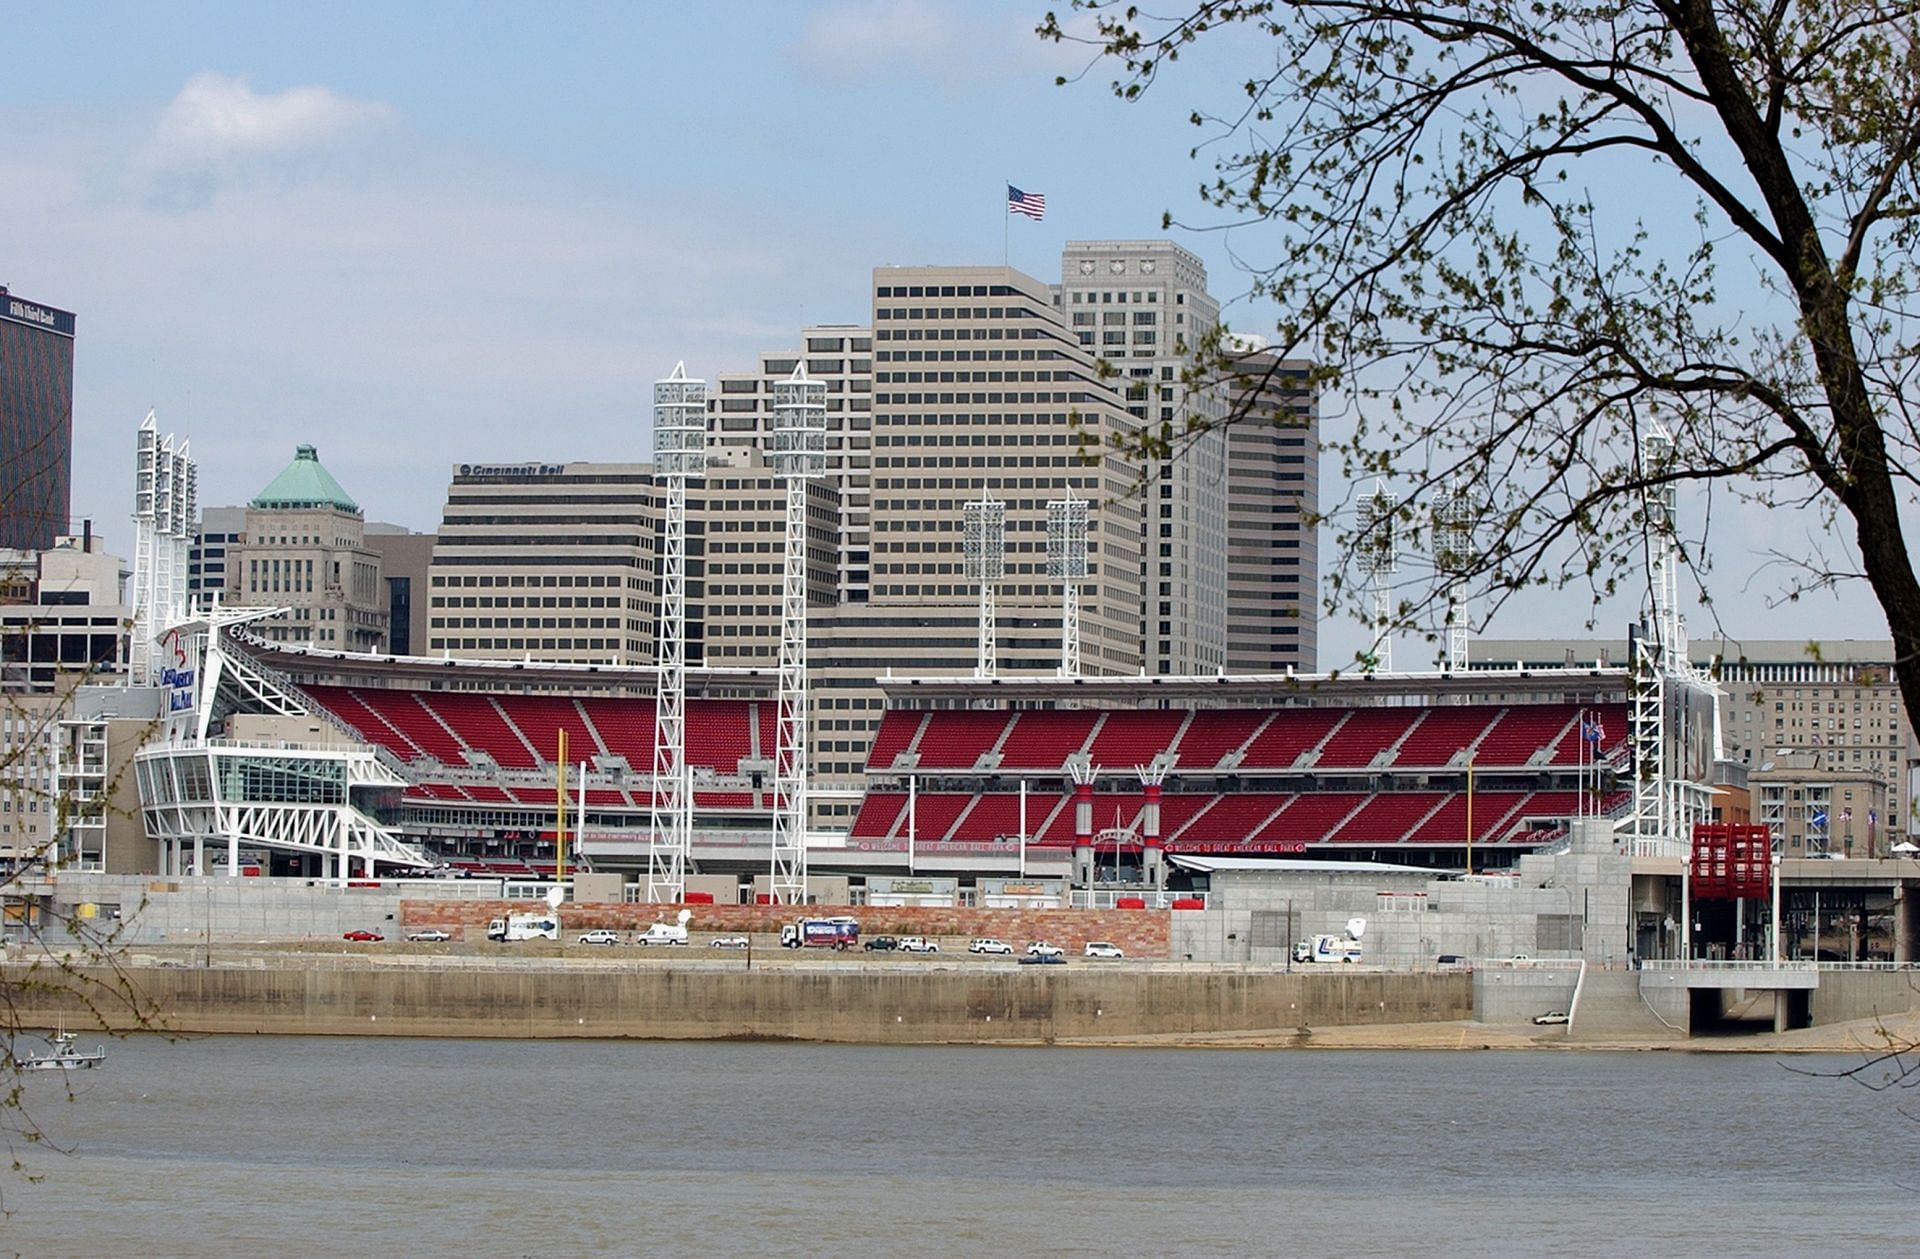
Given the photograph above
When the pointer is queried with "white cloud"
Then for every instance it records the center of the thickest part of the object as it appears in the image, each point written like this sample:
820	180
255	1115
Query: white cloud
407	307
217	127
863	39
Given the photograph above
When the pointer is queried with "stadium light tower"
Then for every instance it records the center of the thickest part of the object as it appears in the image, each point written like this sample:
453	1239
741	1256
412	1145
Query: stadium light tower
679	455
1380	559
799	456
986	563
1067	564
1454	556
165	511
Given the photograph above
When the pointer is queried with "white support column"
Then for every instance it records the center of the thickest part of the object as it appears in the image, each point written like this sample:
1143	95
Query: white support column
799	457
679	455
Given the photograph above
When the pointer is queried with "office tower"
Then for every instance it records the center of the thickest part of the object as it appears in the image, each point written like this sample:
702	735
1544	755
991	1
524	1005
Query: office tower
840	356
36	422
406	558
980	389
545	561
1142	308
306	550
1273	494
220	528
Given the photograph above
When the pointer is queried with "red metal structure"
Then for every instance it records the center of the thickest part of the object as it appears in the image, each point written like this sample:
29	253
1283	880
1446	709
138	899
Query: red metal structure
1732	861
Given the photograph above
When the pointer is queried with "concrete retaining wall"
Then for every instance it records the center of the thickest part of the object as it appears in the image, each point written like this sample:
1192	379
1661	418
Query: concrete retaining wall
1513	995
1844	995
827	1003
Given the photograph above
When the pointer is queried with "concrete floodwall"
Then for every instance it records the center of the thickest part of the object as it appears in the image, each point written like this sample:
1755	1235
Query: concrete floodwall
859	1004
1846	995
1515	994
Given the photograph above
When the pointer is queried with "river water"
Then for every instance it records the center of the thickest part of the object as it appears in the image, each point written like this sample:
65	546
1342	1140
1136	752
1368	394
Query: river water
285	1146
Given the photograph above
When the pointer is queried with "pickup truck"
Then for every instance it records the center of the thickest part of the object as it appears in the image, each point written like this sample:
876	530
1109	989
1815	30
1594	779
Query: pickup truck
917	944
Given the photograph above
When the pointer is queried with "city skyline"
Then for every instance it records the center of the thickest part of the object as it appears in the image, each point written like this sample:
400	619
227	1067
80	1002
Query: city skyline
422	239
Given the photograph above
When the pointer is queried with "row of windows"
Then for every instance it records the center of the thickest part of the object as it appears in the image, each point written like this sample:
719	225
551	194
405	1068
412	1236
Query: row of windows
531	644
948	290
534	601
531	622
547	580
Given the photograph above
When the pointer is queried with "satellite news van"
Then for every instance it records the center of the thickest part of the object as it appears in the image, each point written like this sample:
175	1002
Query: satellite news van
516	927
667	933
820	933
1332	948
535	926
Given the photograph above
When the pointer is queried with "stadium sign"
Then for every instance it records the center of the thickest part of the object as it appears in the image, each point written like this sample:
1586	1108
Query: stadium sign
177	673
511	469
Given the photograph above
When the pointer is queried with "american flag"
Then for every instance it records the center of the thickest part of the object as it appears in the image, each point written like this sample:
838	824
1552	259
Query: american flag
1031	204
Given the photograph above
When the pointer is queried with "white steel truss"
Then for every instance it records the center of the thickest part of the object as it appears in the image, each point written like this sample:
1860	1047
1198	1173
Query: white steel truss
1067	564
165	509
799	456
985	544
1454	557
679	455
1379	559
193	795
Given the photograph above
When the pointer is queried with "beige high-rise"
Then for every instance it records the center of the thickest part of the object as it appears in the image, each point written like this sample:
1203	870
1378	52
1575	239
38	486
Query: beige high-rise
980	388
1142	308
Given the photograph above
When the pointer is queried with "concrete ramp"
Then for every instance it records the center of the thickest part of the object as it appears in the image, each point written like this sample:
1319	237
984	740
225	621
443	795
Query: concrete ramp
1610	1009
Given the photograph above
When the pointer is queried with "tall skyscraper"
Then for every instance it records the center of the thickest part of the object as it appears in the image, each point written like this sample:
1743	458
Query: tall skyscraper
36	422
1142	308
980	390
840	356
1273	491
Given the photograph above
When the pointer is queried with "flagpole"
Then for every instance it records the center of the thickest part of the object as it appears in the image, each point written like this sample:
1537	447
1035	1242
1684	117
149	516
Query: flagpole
1006	228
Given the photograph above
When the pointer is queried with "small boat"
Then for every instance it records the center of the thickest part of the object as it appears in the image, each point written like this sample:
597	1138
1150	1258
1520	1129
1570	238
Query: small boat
64	1056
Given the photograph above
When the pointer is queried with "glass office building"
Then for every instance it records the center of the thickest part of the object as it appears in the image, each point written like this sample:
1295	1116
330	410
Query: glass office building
36	422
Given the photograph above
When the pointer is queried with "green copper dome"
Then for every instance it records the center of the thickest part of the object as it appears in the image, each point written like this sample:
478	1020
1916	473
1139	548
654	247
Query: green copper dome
305	484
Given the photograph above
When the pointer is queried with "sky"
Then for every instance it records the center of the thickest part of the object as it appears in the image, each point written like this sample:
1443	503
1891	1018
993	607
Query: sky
426	233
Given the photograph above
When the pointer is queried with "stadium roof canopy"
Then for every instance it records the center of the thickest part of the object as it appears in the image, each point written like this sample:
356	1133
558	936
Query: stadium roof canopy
304	483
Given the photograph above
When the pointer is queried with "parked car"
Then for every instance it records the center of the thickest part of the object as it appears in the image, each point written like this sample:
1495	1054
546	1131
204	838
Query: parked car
1552	1019
1101	948
990	946
600	935
729	942
881	944
432	935
1055	958
1452	961
1040	948
362	936
918	944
